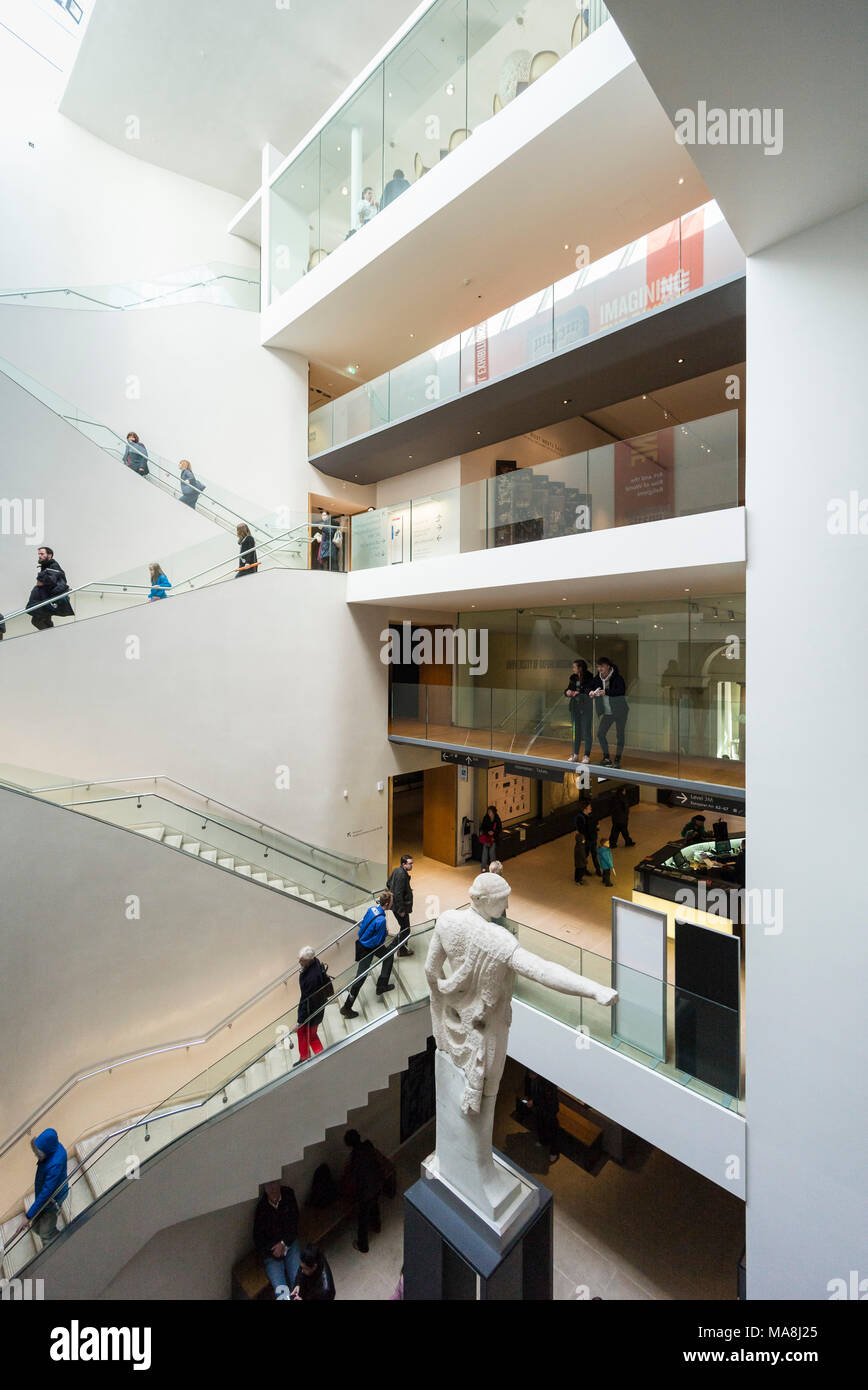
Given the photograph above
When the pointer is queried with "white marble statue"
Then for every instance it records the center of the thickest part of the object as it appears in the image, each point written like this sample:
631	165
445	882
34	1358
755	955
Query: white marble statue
471	1013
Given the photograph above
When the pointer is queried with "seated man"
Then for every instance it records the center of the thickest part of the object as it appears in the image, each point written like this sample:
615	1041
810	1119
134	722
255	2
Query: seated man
275	1237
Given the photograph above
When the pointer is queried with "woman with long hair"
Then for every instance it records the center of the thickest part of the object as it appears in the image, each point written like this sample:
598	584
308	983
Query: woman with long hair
159	583
247	561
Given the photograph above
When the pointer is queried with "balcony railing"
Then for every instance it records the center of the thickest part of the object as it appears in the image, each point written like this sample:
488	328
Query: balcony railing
458	66
693	252
677	471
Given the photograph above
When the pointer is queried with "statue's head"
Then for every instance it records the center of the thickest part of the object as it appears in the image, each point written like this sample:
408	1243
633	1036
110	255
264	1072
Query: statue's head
489	894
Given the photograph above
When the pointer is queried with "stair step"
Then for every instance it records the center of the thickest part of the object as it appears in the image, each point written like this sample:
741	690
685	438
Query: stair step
227	863
191	846
173	840
293	889
210	856
24	1248
152	832
244	869
277	883
259	875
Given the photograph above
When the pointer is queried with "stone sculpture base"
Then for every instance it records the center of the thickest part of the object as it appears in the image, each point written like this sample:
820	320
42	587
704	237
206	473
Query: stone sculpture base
463	1160
451	1254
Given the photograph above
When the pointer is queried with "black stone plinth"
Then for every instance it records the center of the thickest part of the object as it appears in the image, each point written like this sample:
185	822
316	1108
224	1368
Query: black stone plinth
450	1255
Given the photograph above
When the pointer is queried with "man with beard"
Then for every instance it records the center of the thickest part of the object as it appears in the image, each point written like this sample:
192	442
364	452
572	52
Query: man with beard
50	585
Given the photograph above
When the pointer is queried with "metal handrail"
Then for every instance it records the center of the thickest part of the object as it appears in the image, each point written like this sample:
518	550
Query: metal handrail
267	547
152	299
71	1082
165	1108
162	777
138	796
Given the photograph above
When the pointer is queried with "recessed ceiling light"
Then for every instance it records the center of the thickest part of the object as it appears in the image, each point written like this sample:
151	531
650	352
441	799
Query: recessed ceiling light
409	456
338	148
412	335
345	190
352	368
566	246
450	89
680	360
680	180
644	398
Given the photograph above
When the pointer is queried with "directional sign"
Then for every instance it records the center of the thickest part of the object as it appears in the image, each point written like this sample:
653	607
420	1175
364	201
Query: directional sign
465	759
702	801
537	770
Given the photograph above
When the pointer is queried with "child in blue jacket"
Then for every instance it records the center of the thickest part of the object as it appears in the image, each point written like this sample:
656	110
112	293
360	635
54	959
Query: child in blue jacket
50	1188
607	863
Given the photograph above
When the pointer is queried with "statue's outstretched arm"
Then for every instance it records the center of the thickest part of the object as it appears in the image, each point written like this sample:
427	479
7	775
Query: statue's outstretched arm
547	972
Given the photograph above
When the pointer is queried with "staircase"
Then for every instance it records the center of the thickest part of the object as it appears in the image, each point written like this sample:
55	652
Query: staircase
212	854
270	1108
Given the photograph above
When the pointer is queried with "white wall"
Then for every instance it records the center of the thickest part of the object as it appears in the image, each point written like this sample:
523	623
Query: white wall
85	983
232	682
100	518
806	608
195	1258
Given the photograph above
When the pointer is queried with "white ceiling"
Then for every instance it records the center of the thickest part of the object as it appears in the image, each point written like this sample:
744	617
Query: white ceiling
212	81
804	59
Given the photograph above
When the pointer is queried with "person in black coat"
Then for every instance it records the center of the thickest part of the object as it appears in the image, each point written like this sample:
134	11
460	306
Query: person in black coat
275	1237
363	1177
402	901
50	585
490	832
542	1098
314	988
620	818
587	825
247	561
608	692
315	1282
578	693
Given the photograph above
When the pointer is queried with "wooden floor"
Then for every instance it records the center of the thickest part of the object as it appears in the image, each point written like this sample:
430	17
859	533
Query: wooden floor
723	771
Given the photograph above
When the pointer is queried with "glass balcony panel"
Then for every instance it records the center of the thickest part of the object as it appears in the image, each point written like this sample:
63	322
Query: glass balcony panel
294	214
431	377
518	337
320	429
351	165
435	525
359	412
425	95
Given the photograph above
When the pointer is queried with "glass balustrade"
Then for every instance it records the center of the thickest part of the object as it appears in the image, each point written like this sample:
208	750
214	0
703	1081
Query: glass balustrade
691	253
218	503
655	1023
304	874
218	282
664	1017
672	733
457	68
680	470
291	550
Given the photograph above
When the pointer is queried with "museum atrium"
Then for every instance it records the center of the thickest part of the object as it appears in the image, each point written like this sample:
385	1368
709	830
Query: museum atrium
510	349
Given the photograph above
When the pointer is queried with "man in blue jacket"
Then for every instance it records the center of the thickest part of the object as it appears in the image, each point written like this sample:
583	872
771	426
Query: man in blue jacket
370	944
50	1188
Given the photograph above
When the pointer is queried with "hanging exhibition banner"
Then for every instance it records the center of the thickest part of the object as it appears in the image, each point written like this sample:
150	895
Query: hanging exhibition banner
644	478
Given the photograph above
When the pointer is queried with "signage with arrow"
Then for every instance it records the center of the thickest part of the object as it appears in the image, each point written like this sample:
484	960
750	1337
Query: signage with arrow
702	801
465	759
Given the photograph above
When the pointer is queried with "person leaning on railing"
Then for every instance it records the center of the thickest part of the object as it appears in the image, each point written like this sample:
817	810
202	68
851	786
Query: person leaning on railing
247	559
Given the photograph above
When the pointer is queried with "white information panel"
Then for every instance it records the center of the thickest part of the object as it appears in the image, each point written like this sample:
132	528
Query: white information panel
370	536
639	976
436	525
